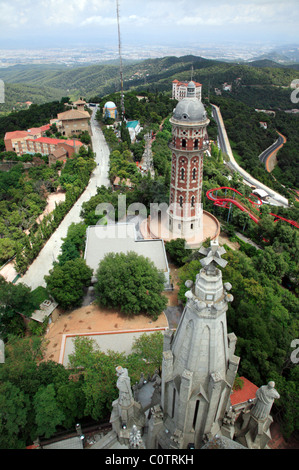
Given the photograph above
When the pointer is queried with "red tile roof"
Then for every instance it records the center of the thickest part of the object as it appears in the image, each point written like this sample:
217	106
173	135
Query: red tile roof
49	140
45	128
185	83
15	135
247	391
73	114
28	133
59	152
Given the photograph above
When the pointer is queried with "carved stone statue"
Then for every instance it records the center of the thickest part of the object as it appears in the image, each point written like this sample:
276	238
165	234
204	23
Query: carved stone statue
135	438
265	397
124	386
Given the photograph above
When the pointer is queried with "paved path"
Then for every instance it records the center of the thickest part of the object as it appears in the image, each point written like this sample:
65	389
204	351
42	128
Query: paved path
267	156
41	266
247	240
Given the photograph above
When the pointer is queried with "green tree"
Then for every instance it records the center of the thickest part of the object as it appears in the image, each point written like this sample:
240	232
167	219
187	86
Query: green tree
85	138
71	401
98	372
124	134
66	283
177	251
14	406
48	414
150	348
131	283
15	300
286	409
21	358
69	252
7	249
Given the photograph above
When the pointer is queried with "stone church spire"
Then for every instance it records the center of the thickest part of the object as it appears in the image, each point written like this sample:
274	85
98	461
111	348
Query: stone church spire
199	365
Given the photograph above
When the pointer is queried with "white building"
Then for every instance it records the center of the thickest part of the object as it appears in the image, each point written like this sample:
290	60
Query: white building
134	128
179	90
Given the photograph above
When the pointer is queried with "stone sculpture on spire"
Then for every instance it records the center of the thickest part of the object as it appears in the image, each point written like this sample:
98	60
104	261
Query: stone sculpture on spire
212	257
265	397
124	386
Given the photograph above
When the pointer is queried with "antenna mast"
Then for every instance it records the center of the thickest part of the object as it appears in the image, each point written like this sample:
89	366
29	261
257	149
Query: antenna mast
121	65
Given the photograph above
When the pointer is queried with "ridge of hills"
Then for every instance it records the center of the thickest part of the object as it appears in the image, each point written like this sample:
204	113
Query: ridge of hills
42	83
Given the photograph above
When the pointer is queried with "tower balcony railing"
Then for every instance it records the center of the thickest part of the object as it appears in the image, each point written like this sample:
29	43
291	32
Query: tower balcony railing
203	148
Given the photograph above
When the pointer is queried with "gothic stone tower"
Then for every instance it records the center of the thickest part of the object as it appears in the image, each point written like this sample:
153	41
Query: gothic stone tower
199	365
189	136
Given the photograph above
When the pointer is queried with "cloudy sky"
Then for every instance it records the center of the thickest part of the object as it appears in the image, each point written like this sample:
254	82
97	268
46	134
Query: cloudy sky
45	23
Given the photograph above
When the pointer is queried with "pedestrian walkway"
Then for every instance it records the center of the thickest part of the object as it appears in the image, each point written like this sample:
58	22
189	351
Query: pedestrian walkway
41	266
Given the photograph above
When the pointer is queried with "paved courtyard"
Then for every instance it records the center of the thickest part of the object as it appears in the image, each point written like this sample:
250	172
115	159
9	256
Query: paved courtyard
96	322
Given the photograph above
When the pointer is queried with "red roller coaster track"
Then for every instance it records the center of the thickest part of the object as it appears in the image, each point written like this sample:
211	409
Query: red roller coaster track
224	201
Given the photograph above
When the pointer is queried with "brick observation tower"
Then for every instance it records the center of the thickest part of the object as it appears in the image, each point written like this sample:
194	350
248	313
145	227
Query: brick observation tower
184	217
189	141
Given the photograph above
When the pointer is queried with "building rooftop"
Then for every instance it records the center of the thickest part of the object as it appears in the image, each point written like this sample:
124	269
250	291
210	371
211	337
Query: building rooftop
222	442
45	310
121	238
70	443
185	83
49	140
132	124
246	393
15	135
79	102
260	192
190	110
28	133
73	114
59	152
36	130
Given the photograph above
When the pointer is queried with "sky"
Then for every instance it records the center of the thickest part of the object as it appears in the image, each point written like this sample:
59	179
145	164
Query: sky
67	23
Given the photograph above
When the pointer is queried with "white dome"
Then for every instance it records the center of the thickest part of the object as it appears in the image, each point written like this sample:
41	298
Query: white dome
110	104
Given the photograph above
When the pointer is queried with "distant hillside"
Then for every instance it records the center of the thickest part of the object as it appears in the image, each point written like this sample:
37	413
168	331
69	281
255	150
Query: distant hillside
270	63
265	63
16	92
154	74
282	55
30	73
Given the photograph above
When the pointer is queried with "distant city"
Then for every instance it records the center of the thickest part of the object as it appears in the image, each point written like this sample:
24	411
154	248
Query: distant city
91	55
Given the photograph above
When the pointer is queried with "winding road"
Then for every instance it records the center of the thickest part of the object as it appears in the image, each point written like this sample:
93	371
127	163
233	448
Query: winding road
270	151
41	266
224	144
